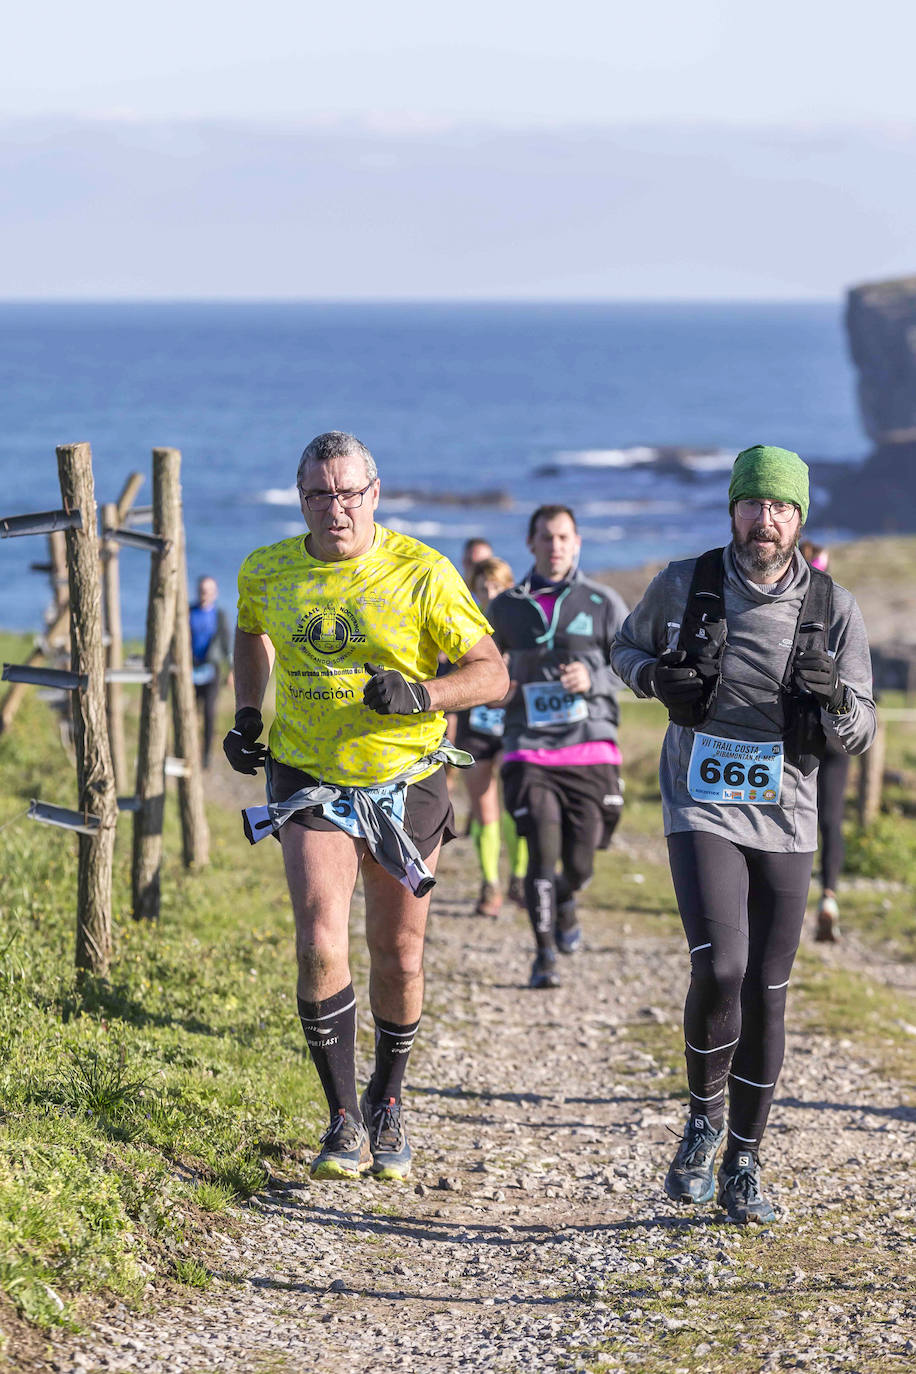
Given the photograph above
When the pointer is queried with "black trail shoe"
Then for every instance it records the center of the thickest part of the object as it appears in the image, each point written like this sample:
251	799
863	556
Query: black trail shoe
739	1191
544	970
567	931
690	1177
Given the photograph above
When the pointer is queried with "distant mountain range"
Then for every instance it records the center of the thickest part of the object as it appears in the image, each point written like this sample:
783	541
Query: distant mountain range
121	208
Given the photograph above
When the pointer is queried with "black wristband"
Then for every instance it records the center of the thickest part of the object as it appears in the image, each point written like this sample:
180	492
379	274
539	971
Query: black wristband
645	679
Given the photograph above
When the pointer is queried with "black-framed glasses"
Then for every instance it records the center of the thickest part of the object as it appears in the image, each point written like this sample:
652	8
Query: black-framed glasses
781	512
324	500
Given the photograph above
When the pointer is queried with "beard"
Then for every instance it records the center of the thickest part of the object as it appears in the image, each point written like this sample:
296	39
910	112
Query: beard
773	556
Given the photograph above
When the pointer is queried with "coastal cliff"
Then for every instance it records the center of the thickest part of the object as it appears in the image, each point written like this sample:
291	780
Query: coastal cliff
881	325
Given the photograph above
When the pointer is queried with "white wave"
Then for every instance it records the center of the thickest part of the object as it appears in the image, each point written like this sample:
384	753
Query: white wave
606	457
599	508
717	461
429	529
395	503
606	534
278	496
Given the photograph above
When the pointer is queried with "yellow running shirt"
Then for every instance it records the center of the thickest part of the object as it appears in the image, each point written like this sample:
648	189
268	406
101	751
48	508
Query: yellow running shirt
395	607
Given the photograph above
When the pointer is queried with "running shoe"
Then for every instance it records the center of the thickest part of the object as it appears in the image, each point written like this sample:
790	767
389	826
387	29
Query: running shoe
690	1177
387	1137
828	921
344	1150
490	901
543	970
567	931
739	1192
516	890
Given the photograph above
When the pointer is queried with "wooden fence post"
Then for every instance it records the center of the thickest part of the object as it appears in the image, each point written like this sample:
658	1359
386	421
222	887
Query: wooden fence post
111	577
871	777
160	620
95	779
195	835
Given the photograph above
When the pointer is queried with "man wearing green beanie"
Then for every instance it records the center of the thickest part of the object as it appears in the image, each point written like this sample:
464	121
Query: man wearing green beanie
763	665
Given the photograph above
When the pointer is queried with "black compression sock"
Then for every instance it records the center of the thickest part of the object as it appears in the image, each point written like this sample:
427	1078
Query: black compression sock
330	1033
393	1044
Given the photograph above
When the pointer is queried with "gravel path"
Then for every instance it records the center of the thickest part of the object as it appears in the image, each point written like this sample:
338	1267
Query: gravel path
534	1234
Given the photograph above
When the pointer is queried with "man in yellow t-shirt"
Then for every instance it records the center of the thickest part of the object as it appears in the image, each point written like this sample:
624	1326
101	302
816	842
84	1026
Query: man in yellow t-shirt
352	616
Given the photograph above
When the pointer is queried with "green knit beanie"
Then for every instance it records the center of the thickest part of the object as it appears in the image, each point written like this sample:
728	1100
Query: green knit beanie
776	474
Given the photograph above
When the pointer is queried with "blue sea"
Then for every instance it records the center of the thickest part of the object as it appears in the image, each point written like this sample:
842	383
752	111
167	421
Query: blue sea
570	403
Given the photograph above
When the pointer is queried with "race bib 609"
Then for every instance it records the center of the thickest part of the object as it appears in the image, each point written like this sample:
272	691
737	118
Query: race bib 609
549	703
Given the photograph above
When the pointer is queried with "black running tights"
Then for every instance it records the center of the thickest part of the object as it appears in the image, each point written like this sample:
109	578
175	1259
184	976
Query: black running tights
831	787
564	832
742	911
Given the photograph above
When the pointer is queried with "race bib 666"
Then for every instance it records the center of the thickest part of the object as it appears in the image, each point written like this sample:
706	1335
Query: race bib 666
735	771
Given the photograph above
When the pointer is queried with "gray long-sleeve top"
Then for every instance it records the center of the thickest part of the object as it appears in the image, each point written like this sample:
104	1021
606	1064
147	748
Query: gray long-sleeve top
761	632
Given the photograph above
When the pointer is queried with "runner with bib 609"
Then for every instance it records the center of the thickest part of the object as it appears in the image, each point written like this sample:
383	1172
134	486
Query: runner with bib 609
763	665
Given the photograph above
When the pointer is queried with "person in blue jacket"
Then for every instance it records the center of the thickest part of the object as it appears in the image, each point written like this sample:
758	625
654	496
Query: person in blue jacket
211	653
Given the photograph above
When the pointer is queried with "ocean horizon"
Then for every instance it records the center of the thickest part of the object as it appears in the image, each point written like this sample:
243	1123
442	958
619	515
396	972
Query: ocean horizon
476	412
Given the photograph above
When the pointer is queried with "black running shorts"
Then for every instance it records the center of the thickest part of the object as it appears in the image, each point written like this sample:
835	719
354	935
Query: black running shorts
480	747
589	796
428	815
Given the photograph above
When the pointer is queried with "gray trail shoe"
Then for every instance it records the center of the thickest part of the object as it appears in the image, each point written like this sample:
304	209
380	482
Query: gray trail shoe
391	1154
691	1175
344	1149
739	1191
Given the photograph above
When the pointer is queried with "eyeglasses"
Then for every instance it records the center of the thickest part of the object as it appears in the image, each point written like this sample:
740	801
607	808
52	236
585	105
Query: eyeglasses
324	500
781	512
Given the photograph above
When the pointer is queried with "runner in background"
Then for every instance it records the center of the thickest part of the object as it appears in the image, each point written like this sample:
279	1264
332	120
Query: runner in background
763	664
561	762
475	550
832	776
479	732
211	654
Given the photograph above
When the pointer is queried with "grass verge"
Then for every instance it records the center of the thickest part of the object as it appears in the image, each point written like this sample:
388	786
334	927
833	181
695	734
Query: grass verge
135	1109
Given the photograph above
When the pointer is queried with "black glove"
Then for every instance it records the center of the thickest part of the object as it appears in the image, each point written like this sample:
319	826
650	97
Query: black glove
240	747
815	671
674	682
390	694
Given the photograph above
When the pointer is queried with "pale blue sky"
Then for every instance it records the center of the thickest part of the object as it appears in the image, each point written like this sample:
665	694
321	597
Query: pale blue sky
586	149
515	61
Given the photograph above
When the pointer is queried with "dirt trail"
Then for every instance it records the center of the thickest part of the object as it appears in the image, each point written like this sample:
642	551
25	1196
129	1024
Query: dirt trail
534	1233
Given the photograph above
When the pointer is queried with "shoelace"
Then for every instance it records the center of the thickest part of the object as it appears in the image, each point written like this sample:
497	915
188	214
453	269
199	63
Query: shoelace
386	1125
337	1128
744	1183
694	1141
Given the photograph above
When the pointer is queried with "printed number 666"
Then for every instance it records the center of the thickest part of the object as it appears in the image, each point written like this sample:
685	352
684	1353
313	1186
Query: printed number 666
733	773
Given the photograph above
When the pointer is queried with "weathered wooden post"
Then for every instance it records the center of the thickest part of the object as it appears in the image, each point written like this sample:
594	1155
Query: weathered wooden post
60	577
10	704
195	835
111	577
95	778
871	777
154	725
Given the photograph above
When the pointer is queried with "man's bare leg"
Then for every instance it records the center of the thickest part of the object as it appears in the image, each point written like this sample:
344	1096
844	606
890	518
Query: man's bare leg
395	932
321	871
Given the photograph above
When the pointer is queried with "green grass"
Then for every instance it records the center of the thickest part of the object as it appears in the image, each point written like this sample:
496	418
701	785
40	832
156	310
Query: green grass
187	1062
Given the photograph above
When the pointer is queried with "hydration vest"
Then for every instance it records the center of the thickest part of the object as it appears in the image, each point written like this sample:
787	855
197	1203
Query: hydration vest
703	635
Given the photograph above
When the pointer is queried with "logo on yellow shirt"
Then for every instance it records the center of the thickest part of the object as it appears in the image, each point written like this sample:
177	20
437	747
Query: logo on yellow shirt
329	631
